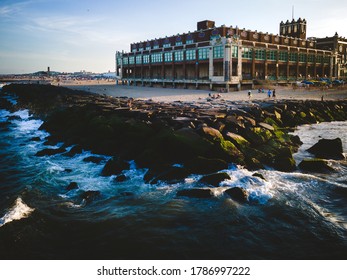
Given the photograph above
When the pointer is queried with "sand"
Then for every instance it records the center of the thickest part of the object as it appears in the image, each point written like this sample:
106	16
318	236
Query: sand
190	95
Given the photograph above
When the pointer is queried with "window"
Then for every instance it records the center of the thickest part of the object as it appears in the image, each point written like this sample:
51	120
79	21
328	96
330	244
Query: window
235	51
190	55
131	60
302	57
141	49
155	47
179	43
260	54
310	58
326	59
146	59
218	52
247	53
168	56
190	42
148	48
119	61
293	57
157	58
319	59
166	45
179	56
203	53
125	60
138	59
271	55
134	49
283	56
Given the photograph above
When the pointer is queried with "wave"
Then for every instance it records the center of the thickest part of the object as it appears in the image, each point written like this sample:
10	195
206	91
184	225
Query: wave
17	212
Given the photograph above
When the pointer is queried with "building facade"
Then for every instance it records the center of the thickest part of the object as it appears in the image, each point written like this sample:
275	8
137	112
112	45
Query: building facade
337	45
225	58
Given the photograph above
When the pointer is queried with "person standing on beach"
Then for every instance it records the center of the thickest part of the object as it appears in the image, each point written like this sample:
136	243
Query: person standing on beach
274	93
249	94
269	93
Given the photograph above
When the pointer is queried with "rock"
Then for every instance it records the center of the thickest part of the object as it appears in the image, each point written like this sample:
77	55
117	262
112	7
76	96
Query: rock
315	165
120	178
215	179
238	194
259	176
93	159
72	186
211	133
237	139
266	126
328	148
295	139
90	195
196	193
114	167
50	152
74	151
201	165
172	175
35	139
284	161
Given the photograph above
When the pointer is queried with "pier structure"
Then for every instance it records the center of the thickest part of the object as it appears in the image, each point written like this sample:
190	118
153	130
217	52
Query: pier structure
226	58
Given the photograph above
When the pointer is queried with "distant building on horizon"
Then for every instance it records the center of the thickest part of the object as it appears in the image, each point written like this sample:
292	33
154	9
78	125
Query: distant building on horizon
229	57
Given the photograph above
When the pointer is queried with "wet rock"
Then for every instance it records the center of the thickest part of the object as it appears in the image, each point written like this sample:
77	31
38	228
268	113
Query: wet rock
114	167
74	151
238	194
120	178
215	179
259	176
72	186
93	159
90	195
35	139
196	193
328	148
50	152
201	165
315	165
172	175
284	161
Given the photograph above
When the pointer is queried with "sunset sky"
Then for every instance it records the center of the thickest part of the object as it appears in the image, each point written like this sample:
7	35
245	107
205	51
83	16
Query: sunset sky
70	35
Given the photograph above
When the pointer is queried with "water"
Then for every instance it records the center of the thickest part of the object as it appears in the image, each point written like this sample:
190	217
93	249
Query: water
289	215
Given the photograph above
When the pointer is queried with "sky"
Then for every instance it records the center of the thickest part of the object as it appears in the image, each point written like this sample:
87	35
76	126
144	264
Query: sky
71	35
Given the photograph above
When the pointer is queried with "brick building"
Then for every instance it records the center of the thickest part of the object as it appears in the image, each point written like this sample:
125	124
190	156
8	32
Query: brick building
226	57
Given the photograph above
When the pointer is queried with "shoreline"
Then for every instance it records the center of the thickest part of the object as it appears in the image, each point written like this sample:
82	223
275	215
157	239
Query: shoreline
204	137
159	94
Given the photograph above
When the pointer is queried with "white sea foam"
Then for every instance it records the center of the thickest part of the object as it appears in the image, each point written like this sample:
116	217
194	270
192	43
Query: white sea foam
17	212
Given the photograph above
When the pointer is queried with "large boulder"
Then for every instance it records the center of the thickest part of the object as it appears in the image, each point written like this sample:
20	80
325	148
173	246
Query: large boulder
50	152
237	194
215	179
172	174
315	165
115	166
328	148
284	161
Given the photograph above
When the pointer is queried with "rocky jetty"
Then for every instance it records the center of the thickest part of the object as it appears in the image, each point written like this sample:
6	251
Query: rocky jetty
175	139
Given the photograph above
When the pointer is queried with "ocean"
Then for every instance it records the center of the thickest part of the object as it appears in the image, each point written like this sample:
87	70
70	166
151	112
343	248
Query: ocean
293	215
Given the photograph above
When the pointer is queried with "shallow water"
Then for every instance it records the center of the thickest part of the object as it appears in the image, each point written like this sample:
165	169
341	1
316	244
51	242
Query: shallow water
288	216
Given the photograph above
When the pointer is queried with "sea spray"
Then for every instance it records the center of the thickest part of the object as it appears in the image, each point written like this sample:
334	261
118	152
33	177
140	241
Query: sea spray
17	212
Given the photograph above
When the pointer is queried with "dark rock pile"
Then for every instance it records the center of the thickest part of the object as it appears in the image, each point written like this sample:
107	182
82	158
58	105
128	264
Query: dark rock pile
199	137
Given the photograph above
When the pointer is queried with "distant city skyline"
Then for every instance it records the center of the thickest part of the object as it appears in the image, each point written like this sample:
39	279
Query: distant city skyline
70	36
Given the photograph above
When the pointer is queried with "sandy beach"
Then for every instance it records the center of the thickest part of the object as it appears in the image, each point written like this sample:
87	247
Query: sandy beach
189	95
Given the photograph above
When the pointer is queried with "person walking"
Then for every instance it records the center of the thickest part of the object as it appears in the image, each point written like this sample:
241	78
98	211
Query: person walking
269	93
249	94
